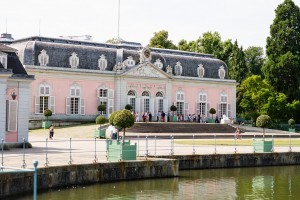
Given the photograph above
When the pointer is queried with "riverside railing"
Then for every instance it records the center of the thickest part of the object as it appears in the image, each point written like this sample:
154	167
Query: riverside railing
92	150
21	170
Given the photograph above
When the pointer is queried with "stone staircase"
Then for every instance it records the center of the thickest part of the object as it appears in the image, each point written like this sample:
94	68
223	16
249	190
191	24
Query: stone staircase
180	127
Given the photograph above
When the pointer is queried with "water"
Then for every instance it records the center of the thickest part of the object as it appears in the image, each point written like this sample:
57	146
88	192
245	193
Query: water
210	184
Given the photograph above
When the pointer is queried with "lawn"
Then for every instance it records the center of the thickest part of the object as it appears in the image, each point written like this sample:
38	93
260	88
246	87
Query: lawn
243	142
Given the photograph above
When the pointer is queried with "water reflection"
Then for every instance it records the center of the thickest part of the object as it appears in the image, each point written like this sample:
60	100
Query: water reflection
239	183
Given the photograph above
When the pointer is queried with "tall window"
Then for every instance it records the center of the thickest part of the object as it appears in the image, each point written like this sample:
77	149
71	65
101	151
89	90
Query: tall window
202	104
131	99
223	105
180	102
160	101
44	101
146	101
178	69
103	98
75	104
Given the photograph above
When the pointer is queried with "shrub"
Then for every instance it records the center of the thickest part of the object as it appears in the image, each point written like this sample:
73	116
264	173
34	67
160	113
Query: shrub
100	120
123	119
173	108
264	121
128	107
212	111
101	108
47	113
291	123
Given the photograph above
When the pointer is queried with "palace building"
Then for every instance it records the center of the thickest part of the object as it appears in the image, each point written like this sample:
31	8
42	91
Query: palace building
73	77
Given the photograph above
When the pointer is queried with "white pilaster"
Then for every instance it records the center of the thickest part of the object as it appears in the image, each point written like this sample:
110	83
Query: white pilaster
3	87
24	97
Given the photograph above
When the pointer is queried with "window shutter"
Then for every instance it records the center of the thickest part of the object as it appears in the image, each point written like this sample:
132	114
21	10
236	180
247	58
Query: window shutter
219	110
110	94
68	105
151	106
82	106
186	108
12	116
229	110
110	106
138	105
166	106
52	104
208	108
37	105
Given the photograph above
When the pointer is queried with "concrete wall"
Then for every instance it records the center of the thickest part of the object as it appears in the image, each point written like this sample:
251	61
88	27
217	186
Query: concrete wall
64	176
237	160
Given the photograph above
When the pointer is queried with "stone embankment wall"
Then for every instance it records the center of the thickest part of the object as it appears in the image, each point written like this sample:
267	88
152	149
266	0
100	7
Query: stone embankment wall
73	175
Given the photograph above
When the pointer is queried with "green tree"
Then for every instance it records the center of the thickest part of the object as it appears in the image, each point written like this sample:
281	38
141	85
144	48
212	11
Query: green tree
101	108
212	111
100	120
123	119
282	68
254	57
160	40
237	64
264	121
47	113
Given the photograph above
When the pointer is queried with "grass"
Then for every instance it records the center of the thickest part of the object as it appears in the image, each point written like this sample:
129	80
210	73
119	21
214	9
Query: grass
243	142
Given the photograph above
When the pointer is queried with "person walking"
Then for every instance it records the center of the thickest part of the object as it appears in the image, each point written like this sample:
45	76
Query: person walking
238	133
51	131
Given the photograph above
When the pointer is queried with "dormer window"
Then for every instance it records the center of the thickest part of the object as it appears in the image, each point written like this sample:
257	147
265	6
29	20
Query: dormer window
178	69
74	60
222	72
43	58
158	64
3	59
200	71
102	63
130	62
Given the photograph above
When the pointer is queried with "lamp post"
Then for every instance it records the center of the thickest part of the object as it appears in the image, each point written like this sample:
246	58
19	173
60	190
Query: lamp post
13	95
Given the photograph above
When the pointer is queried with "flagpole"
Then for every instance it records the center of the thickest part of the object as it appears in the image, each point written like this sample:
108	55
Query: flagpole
119	21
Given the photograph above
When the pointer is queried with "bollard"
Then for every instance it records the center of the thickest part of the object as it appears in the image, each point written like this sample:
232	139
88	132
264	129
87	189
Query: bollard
2	161
290	144
172	146
70	161
215	137
147	152
47	161
138	147
35	164
155	146
272	150
194	151
24	163
95	154
254	150
235	150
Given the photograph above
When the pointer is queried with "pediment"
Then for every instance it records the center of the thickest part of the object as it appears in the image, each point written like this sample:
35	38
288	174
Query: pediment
147	70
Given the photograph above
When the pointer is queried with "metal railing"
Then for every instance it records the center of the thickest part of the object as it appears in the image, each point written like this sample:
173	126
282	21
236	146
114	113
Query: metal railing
21	170
83	151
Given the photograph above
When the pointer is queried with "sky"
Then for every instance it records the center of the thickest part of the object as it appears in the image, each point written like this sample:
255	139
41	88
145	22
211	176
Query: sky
247	21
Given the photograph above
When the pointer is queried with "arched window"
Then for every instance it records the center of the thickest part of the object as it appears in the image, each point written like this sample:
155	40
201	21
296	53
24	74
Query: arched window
202	104
103	98
158	64
44	100
75	105
160	101
223	105
180	102
146	101
102	63
132	99
130	62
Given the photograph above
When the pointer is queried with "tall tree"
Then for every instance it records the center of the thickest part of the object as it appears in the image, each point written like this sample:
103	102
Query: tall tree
237	64
254	57
160	40
282	68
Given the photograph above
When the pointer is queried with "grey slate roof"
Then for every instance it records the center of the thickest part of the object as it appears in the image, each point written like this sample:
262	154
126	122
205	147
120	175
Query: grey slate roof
59	51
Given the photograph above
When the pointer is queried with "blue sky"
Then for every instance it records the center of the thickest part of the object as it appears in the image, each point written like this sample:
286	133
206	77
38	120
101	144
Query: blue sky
248	21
